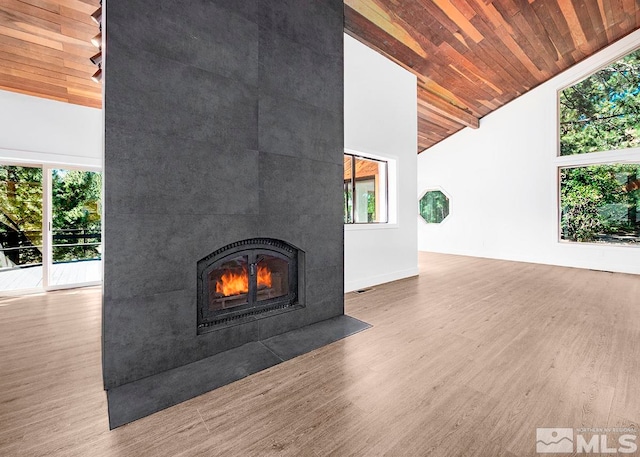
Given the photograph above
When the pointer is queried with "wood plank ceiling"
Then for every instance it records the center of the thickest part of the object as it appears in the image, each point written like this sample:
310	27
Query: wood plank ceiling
470	56
45	46
473	56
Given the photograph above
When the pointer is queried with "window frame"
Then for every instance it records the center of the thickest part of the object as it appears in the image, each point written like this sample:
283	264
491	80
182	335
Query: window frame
608	157
386	161
443	192
47	213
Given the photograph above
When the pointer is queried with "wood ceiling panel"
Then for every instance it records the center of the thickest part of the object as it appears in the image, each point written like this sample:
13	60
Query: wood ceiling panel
36	69
25	86
48	5
45	46
474	56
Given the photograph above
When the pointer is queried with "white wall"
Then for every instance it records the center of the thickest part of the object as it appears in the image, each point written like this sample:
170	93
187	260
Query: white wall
37	130
381	121
502	181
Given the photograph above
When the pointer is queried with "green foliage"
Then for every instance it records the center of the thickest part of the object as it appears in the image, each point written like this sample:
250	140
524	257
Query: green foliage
434	207
347	204
21	213
371	206
21	198
597	204
76	199
602	112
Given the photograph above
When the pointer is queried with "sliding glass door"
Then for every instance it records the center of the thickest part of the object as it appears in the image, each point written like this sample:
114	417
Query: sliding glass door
50	227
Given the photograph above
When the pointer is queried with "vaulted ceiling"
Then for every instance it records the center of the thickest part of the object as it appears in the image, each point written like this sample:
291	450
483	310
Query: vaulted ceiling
473	56
470	56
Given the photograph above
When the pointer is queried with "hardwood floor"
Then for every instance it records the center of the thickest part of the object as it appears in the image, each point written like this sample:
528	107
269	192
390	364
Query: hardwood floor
465	360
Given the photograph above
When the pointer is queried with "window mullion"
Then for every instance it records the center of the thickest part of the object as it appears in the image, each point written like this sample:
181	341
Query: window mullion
353	189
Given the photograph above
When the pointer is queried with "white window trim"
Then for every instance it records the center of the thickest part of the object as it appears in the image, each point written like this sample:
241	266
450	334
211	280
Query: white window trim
392	192
631	155
32	158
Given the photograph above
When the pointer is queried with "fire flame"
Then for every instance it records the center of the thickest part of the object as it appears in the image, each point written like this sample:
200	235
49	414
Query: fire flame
264	276
232	283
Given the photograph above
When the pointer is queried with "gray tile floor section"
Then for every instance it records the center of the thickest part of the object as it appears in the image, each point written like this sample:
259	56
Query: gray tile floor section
300	341
146	396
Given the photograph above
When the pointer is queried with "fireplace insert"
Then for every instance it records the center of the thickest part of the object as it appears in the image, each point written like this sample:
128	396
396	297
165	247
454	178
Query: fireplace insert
248	280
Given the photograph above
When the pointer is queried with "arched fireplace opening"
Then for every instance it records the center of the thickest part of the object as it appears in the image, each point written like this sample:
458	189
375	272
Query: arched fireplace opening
248	280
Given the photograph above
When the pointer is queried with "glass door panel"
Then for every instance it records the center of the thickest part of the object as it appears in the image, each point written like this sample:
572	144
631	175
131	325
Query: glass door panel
76	237
20	227
272	277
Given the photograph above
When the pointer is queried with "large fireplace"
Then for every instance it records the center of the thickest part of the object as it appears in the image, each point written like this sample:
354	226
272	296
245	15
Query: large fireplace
223	225
247	280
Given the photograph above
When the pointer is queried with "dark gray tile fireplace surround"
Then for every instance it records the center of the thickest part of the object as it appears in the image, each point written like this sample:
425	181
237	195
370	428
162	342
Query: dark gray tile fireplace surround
224	122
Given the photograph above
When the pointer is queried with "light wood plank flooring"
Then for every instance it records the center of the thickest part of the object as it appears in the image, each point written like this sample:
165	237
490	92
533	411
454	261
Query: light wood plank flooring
465	360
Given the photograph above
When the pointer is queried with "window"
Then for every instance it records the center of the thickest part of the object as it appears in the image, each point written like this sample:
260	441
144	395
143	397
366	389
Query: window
50	227
600	203
599	163
365	190
434	206
602	112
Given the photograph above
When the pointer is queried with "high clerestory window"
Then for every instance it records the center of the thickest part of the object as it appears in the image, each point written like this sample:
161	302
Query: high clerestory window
599	172
365	190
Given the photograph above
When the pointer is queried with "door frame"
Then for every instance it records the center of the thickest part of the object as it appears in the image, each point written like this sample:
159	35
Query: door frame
47	229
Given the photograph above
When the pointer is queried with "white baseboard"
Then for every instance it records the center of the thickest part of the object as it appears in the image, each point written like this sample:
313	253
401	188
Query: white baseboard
361	283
